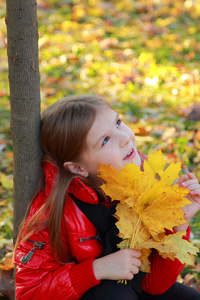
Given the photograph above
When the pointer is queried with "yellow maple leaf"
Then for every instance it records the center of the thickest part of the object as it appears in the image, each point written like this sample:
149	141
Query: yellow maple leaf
130	225
149	204
156	166
124	185
172	246
164	212
171	173
155	163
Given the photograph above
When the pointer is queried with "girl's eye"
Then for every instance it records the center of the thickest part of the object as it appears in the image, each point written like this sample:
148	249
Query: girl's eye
118	123
105	140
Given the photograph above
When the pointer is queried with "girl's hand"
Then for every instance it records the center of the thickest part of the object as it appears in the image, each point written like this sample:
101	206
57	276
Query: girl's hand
191	183
122	264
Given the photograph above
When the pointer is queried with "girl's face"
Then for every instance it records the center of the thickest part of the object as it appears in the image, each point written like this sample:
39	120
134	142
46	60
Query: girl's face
109	141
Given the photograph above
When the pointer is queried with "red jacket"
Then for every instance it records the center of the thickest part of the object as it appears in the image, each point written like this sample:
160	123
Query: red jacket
44	278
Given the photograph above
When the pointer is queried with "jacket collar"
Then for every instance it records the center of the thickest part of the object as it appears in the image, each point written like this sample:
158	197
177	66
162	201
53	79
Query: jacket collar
83	192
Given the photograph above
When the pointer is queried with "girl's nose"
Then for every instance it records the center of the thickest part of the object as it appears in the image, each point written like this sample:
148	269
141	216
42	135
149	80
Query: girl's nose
124	139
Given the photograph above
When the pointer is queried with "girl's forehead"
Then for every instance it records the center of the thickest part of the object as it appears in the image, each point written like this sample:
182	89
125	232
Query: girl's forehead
104	116
105	120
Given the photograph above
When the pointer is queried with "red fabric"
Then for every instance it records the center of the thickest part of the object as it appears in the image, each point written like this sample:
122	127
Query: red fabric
45	278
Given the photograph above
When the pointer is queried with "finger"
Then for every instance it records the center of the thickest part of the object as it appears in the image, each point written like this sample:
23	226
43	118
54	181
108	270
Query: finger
196	199
135	253
189	183
137	262
134	270
181	180
195	191
193	199
191	176
129	276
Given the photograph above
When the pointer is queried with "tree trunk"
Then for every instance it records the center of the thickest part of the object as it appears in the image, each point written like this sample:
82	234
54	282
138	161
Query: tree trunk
24	80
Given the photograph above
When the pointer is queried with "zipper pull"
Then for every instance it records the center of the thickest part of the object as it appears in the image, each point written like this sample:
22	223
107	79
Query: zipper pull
24	259
38	245
27	257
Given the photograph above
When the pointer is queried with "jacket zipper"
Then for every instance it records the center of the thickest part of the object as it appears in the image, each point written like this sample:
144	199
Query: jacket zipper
36	245
96	237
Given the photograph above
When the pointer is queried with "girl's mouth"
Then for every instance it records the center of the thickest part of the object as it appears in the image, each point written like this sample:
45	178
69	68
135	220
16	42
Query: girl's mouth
131	154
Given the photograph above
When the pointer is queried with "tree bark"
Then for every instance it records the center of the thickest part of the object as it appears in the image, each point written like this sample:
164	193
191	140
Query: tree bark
24	80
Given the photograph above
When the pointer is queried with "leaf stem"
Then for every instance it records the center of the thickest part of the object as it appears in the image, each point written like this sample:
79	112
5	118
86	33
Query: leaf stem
136	231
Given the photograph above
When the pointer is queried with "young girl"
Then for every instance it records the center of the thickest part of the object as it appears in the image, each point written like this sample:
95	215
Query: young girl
66	247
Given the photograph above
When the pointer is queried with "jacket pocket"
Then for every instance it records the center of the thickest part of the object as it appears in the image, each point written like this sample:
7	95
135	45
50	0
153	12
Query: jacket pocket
30	255
85	245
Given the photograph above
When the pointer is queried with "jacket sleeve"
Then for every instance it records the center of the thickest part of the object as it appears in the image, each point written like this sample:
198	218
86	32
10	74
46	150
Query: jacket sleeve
163	274
38	279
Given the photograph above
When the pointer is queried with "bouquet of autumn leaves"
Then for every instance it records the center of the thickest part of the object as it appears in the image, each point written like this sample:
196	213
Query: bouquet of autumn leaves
149	206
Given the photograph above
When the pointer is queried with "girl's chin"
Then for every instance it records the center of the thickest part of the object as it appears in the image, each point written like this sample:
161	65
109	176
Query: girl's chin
137	161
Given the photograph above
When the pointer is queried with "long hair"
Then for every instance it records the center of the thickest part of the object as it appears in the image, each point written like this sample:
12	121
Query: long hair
64	128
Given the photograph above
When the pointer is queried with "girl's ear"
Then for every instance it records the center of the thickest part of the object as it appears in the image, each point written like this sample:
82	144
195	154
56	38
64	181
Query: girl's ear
75	168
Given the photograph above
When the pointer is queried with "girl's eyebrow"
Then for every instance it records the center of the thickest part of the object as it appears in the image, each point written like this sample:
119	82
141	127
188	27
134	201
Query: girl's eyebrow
103	135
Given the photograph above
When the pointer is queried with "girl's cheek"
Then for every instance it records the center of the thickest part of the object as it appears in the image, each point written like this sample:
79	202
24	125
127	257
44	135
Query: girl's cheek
128	130
131	132
132	135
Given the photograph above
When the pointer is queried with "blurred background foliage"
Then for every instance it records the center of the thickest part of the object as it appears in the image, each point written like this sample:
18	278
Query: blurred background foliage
143	56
